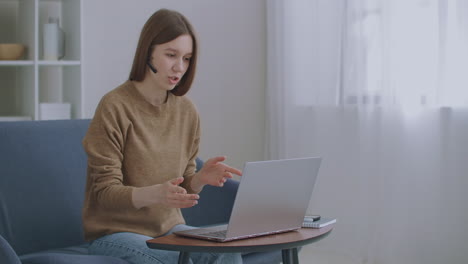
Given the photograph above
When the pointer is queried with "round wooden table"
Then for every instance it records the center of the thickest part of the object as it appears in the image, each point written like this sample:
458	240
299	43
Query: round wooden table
286	242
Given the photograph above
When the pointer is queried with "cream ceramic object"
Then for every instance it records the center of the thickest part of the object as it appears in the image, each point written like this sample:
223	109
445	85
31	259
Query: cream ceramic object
11	51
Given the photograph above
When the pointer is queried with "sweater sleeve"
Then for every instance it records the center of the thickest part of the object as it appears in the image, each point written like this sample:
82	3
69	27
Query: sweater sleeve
104	143
191	167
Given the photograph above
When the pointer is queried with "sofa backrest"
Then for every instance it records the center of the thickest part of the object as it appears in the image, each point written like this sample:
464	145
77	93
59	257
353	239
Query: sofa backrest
42	179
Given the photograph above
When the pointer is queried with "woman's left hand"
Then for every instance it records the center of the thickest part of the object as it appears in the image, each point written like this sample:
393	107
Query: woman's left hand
215	172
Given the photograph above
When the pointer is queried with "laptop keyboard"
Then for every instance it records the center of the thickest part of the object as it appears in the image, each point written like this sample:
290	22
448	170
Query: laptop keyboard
218	234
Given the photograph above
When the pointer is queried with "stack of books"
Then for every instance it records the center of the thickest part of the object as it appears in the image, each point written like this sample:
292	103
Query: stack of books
317	221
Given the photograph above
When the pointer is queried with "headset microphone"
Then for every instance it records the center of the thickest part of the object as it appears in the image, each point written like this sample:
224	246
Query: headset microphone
151	67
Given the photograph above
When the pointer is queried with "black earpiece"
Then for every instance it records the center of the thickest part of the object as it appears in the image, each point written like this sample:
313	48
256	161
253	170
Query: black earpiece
151	67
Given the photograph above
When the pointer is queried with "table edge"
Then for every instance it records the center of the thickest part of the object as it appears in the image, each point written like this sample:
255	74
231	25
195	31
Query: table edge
234	249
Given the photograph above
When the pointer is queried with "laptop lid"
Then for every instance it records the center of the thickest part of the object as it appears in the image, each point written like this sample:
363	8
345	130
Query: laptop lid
273	196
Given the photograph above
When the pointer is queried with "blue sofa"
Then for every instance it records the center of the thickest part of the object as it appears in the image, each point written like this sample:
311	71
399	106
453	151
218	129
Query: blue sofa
42	179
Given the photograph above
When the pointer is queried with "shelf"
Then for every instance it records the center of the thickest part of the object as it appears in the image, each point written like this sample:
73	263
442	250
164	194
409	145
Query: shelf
14	118
11	1
31	80
45	63
59	63
16	63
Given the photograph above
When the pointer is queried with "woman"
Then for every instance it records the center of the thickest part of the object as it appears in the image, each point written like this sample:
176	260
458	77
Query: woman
142	144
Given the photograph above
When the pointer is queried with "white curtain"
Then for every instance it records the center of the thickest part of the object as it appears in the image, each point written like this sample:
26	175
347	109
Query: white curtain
379	89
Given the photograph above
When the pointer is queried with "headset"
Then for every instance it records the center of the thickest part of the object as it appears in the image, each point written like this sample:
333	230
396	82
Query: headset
153	69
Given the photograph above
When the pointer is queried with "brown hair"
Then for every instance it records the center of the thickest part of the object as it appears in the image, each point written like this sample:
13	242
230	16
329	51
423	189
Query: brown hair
164	26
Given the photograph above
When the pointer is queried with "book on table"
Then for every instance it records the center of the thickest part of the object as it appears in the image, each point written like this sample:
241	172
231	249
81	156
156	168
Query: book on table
322	222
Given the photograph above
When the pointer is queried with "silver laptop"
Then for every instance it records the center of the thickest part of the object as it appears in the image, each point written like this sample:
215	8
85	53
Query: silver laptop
273	197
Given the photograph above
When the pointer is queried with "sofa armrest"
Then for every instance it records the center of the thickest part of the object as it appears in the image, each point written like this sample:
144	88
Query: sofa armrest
214	207
199	162
7	254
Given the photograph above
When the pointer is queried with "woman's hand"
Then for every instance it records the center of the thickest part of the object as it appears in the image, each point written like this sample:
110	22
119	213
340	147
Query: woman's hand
169	194
214	172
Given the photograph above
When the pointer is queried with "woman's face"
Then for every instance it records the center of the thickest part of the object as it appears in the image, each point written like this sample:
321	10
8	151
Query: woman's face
171	60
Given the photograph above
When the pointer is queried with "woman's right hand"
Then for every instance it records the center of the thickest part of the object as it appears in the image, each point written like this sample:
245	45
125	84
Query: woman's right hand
169	194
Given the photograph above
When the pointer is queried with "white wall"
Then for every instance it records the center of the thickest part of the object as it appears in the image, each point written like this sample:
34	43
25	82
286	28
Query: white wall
230	82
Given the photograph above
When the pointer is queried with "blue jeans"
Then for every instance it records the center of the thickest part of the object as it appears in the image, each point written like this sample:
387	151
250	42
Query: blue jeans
132	248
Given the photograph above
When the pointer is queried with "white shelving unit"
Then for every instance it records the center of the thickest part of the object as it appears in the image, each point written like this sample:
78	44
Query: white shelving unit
30	81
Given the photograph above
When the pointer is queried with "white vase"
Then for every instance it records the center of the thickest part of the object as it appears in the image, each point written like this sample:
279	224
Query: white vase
53	40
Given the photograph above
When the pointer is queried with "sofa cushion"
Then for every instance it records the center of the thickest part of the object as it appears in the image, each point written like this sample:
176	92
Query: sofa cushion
42	181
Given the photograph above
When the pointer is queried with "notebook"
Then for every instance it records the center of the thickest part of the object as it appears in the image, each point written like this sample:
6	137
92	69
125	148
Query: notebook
322	222
272	197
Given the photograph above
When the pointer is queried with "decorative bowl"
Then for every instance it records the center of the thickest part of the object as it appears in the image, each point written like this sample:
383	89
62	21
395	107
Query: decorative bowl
11	51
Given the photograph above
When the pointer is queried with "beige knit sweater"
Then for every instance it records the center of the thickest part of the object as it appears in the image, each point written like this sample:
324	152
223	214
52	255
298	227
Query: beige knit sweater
131	143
